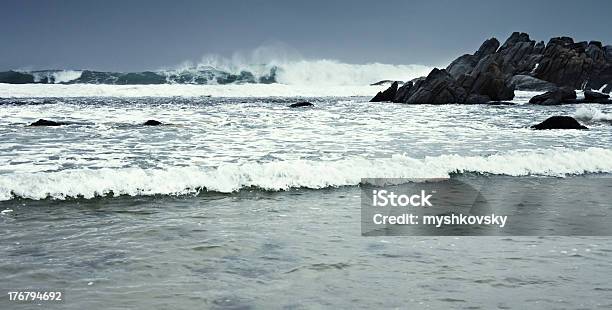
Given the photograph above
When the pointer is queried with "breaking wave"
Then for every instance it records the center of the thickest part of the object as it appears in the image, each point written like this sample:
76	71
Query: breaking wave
263	65
283	175
592	114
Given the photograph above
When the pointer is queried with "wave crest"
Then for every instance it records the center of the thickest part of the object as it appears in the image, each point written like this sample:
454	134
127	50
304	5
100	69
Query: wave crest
283	175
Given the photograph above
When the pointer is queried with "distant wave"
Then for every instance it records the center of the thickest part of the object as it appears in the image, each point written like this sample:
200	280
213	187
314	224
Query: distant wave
300	72
283	175
55	76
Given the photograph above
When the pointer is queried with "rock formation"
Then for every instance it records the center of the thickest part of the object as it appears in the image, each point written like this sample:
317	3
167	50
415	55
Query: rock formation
386	95
438	87
593	96
557	96
301	104
152	122
44	122
493	71
559	122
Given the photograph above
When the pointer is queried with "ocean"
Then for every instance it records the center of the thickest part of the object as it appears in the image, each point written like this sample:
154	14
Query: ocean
238	201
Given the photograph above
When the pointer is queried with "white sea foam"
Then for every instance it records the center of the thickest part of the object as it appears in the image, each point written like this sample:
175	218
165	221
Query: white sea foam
282	175
62	76
186	90
592	114
293	69
330	72
183	90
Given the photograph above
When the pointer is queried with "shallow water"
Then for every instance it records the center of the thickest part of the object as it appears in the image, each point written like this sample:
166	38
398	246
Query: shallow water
296	249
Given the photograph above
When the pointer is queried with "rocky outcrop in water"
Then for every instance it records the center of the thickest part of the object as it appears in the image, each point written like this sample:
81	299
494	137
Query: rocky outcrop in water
152	122
438	87
301	104
487	79
557	96
44	122
559	122
386	95
495	70
593	96
484	83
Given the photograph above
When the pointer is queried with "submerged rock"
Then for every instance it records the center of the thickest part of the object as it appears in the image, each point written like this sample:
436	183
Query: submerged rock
301	104
44	122
386	95
557	96
152	122
559	122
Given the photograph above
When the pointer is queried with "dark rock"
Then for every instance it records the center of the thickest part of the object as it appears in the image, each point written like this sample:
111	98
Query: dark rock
565	64
466	63
515	37
596	53
602	79
386	95
594	96
596	43
580	47
527	82
518	55
488	47
608	52
561	41
539	47
44	122
462	65
404	91
438	87
485	83
494	71
301	104
487	79
559	122
557	96
152	122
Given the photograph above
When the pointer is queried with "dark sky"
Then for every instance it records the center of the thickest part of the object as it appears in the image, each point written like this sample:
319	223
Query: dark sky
133	35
